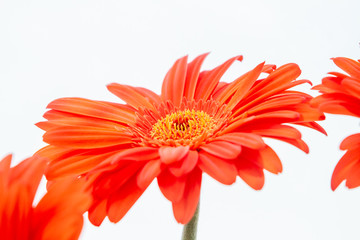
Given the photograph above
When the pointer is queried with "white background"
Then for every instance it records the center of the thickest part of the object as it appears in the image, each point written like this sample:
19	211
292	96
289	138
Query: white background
52	49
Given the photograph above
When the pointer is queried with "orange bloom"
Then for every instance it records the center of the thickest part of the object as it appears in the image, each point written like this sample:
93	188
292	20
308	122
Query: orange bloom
58	215
341	95
197	124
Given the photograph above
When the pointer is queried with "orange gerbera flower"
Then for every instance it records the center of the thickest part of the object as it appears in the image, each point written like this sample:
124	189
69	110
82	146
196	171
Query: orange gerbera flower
341	95
198	124
58	215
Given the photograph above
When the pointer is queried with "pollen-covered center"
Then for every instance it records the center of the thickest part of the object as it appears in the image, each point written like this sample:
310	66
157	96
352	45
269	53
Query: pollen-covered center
192	124
183	125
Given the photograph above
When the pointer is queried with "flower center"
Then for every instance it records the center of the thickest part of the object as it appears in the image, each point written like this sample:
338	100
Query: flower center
185	125
191	124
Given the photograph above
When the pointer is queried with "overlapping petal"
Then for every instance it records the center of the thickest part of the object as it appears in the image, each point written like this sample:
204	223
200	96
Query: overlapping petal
197	125
340	94
58	215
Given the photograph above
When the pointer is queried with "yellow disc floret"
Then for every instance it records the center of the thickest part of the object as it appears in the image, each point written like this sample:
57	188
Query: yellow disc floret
182	125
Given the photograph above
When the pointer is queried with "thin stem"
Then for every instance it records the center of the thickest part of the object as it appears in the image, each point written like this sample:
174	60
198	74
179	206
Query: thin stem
190	229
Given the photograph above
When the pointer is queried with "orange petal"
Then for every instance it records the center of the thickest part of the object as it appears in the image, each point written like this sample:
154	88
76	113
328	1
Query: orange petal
278	131
312	125
122	200
249	140
253	176
337	103
79	121
275	117
170	155
174	82
269	68
150	171
270	160
209	79
29	172
114	178
348	65
282	115
75	165
250	169
244	84
344	167
222	149
284	74
136	154
220	169
85	137
277	102
149	95
171	187
130	95
192	76
186	165
5	167
61	209
351	142
186	207
353	178
263	90
308	113
97	213
352	86
95	109
297	142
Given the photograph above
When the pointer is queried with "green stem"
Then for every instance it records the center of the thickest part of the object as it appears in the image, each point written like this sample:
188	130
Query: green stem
190	229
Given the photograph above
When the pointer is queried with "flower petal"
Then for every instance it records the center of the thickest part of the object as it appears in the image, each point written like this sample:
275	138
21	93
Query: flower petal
149	95
171	187
112	178
270	160
312	125
150	171
170	155
249	140
353	177
345	166
97	213
186	207
136	154
284	74
95	109
242	86
209	79
271	118
278	131
122	200
85	137
352	86
222	149
250	169
192	76
297	142
75	165
252	175
61	209
130	95
5	167
348	65
186	165
222	170
80	121
351	142
174	82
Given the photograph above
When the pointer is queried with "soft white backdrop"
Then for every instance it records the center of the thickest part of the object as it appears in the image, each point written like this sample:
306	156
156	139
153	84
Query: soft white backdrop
52	49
